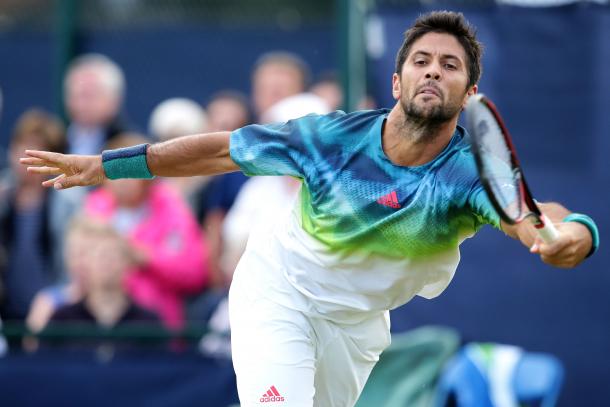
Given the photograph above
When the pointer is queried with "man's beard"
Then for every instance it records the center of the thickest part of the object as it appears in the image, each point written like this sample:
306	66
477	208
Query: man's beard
424	122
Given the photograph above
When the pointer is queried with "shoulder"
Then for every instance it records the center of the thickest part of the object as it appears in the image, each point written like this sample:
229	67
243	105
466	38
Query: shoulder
459	147
340	128
457	161
357	119
57	295
461	140
337	120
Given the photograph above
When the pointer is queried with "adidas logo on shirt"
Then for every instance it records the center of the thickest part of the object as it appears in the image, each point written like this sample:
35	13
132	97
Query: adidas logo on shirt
272	396
390	200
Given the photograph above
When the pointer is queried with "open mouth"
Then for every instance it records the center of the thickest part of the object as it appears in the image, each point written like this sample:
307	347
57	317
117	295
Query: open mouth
428	90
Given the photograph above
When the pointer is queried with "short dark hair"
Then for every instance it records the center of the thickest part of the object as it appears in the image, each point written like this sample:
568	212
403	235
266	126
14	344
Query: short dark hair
446	22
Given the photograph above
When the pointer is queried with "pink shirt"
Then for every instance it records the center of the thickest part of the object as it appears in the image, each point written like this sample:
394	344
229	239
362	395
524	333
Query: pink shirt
176	249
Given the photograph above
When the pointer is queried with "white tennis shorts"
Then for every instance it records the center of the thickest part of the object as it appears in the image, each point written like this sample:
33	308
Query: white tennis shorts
285	358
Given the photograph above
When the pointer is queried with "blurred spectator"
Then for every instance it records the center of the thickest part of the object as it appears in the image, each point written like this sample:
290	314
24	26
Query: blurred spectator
3	343
3	152
253	208
367	102
32	218
328	88
80	238
105	303
276	76
252	211
294	107
165	234
94	89
179	117
227	111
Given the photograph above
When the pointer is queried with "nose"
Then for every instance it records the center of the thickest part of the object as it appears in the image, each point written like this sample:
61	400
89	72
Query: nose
434	71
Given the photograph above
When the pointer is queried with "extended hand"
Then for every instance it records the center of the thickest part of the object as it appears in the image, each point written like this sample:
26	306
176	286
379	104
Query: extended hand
70	170
570	248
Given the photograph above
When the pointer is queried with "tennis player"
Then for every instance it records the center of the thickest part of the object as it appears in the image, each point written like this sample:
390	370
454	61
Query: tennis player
387	197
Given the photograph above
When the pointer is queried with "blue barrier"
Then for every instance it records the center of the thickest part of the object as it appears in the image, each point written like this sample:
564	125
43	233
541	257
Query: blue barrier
153	378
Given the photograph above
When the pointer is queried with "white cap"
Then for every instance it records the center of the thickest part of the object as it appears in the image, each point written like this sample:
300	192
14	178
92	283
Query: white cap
177	117
294	107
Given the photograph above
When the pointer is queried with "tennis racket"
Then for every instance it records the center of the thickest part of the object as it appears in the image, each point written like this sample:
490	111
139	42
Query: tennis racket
499	168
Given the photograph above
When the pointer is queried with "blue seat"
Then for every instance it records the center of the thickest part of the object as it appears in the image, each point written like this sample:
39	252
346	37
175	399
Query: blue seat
538	379
470	378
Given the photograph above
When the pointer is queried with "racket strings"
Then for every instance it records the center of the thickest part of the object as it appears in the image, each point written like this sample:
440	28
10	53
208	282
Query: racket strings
497	168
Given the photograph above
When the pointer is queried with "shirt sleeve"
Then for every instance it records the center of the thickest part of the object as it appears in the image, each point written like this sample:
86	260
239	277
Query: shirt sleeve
276	149
483	210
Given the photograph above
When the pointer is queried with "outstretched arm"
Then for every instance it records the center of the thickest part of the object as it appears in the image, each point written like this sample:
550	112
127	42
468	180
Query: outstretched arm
571	247
203	154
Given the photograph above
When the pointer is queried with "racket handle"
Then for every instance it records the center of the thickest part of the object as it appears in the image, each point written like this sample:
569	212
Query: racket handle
546	230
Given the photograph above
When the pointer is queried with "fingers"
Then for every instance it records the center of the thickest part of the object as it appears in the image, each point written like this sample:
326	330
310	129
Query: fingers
64	182
70	170
555	248
560	253
37	165
37	162
45	170
51	182
45	155
535	248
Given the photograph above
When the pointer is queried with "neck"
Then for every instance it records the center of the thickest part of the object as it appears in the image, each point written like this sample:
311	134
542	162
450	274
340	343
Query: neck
409	142
107	306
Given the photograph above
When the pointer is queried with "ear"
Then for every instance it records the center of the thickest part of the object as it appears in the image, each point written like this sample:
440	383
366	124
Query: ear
472	91
395	86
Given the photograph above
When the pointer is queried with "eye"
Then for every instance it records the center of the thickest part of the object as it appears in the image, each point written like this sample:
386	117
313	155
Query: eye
420	62
451	67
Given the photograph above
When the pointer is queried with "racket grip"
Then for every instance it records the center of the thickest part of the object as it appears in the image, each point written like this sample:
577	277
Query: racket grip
546	230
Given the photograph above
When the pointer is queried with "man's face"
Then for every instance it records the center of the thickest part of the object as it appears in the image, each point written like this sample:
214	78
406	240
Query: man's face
433	82
226	115
76	252
108	262
89	101
273	82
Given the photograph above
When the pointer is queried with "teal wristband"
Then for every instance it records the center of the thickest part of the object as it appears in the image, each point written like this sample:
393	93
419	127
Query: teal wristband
590	224
128	162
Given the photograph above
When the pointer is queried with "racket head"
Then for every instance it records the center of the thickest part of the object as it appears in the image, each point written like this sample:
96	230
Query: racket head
497	162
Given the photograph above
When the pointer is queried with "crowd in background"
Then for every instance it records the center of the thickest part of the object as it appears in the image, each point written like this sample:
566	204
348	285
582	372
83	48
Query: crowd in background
141	251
